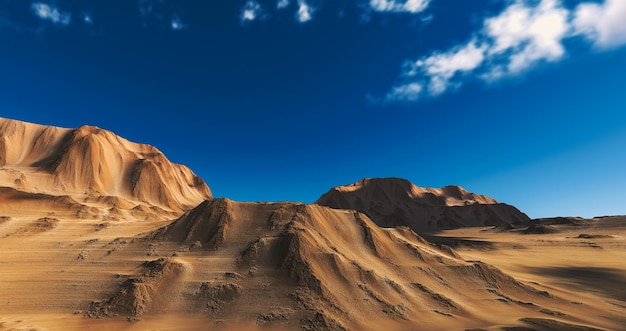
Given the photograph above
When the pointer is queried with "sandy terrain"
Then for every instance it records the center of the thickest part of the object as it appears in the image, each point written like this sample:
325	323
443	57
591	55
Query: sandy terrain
92	165
231	265
398	202
582	263
152	250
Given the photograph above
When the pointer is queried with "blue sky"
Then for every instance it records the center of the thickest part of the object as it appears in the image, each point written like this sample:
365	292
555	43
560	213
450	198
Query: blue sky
275	100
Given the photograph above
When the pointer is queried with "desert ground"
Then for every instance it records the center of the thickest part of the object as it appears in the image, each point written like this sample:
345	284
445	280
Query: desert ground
99	233
582	263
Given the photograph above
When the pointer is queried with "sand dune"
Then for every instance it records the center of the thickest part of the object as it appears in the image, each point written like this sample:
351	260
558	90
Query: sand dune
397	202
85	248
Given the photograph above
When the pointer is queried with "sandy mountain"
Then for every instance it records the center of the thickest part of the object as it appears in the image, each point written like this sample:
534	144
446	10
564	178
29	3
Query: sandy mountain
256	266
397	202
89	163
97	232
297	266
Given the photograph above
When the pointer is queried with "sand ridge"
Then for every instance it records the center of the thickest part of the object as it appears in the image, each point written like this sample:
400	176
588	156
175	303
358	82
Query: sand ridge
290	266
397	202
92	162
151	249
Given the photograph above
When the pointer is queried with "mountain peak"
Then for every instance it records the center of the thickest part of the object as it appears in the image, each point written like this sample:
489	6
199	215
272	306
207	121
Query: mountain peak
95	162
393	188
398	202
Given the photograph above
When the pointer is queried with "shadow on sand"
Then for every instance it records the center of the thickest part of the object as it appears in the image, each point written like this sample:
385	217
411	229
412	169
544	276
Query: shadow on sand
459	242
606	281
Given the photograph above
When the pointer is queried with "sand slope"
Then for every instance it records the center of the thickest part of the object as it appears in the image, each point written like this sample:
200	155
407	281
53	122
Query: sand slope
287	266
397	202
99	233
90	162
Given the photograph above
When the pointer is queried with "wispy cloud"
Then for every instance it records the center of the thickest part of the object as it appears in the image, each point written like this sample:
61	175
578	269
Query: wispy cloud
441	68
250	12
407	6
87	18
49	13
305	12
282	4
406	92
176	23
525	34
604	24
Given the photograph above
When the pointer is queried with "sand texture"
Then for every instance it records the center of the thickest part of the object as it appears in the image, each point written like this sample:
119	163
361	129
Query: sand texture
397	202
89	163
97	233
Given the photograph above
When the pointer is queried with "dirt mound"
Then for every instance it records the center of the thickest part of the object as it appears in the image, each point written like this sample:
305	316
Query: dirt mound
503	228
216	295
577	221
208	224
96	161
150	290
538	228
43	224
397	202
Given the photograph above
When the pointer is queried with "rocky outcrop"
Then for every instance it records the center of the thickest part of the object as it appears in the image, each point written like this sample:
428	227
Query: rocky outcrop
394	202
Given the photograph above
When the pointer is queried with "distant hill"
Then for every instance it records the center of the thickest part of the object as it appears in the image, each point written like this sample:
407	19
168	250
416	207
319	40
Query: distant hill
397	202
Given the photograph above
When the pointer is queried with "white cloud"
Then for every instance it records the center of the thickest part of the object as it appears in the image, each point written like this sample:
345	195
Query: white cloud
52	14
305	12
406	92
440	68
437	72
282	4
603	24
524	34
250	11
408	6
529	34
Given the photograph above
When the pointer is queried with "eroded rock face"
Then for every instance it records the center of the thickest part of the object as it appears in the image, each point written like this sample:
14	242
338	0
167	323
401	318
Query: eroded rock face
142	293
94	162
277	265
397	202
334	267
